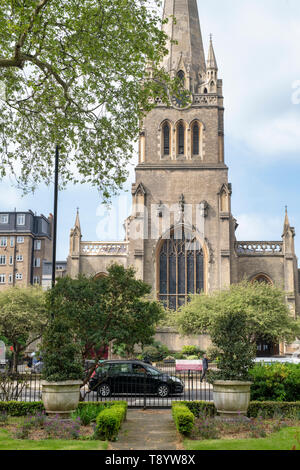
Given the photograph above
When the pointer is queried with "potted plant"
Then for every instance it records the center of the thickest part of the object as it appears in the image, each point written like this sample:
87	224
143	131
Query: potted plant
231	384
235	318
62	371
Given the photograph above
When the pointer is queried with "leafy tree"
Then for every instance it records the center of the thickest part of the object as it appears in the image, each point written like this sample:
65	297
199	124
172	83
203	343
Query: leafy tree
236	319
112	309
79	73
23	317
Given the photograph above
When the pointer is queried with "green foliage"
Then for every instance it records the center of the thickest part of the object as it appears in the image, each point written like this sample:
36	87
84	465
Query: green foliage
108	421
183	418
156	351
23	317
21	408
275	382
96	310
199	407
88	413
192	351
61	354
271	409
81	73
235	319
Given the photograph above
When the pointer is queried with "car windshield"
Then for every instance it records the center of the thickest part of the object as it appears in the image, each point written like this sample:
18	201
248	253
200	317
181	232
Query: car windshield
153	371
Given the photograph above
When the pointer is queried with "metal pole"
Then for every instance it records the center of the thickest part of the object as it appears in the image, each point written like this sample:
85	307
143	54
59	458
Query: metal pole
55	216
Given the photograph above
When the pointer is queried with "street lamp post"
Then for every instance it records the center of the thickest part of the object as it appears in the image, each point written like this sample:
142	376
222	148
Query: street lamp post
55	216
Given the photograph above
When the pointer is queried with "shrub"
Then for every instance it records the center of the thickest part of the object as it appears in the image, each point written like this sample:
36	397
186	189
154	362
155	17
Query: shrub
156	351
192	351
21	408
61	354
183	418
275	382
199	408
88	413
109	420
269	409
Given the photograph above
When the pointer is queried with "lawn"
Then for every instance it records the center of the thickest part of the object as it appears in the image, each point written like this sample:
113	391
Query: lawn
285	439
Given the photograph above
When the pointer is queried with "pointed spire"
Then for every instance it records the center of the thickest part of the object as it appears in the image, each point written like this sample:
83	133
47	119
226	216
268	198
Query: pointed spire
286	226
77	221
186	31
211	59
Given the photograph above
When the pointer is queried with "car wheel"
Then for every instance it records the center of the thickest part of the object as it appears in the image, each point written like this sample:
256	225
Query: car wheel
163	391
104	390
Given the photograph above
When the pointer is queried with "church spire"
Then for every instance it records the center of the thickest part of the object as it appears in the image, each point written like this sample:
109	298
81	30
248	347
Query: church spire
77	221
211	58
188	53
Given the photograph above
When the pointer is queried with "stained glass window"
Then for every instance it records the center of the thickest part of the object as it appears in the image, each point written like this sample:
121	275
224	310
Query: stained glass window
181	270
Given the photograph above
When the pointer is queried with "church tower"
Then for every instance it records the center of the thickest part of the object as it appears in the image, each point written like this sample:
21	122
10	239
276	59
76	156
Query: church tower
181	197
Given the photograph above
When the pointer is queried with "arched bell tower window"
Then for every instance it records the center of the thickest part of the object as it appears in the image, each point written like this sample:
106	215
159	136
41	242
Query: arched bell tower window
180	271
181	139
166	138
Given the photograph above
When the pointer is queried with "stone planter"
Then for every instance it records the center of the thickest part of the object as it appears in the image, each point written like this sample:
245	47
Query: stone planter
231	397
61	398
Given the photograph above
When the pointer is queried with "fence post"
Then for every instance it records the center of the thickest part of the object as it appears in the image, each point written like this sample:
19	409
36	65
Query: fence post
145	400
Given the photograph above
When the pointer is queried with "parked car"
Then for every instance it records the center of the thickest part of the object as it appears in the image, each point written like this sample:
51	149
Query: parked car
132	376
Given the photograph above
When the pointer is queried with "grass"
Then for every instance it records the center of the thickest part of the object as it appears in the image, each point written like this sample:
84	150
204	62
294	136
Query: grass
285	439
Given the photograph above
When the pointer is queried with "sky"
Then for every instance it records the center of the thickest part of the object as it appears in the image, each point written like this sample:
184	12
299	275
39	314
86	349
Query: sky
257	49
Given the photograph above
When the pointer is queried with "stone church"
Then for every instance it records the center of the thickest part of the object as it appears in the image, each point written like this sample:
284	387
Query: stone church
180	236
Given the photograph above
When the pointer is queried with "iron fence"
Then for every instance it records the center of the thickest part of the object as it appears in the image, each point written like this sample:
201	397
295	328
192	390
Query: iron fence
139	391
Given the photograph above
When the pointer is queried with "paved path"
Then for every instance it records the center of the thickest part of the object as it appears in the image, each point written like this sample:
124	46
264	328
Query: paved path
147	430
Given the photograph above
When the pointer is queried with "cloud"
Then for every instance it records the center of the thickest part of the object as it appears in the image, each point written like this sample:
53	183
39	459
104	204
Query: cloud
253	227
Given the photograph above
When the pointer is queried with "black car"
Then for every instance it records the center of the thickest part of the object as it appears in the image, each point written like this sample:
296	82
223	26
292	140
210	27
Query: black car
133	377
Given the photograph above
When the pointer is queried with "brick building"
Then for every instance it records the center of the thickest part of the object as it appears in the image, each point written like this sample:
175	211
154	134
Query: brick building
25	242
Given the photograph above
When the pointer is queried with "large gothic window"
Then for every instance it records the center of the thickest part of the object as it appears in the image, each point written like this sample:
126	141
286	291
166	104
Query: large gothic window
181	271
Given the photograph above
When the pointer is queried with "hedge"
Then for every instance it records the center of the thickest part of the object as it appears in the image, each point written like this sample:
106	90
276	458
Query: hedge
183	417
21	408
109	420
198	407
269	409
275	382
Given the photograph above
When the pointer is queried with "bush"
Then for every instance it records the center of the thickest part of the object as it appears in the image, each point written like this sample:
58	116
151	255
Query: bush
21	408
88	413
270	409
192	351
198	408
109	420
275	382
156	351
183	418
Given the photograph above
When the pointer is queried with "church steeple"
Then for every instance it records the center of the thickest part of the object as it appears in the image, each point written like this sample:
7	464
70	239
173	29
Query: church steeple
187	54
211	58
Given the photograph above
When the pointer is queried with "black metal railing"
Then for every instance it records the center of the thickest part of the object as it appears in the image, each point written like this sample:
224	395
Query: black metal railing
141	391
